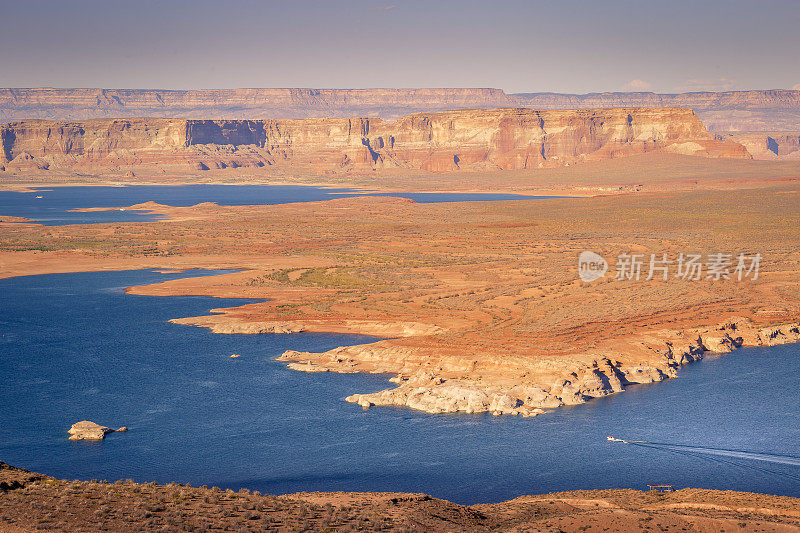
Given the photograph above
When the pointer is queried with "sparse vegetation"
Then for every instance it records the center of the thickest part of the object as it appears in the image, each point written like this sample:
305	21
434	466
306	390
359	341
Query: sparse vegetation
32	501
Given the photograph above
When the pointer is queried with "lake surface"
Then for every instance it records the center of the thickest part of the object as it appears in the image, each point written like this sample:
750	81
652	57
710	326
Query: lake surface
53	207
74	347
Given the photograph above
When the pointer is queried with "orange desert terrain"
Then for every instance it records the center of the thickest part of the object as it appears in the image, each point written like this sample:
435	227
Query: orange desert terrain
480	304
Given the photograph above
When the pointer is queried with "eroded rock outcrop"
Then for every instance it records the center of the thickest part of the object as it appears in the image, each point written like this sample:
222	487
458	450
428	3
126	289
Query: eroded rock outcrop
432	383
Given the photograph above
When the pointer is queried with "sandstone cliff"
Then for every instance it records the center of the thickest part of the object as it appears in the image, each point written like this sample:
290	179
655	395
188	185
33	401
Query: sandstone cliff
530	387
766	145
775	110
499	139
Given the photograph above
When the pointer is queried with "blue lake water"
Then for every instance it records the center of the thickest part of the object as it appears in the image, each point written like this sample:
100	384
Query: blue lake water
53	207
74	347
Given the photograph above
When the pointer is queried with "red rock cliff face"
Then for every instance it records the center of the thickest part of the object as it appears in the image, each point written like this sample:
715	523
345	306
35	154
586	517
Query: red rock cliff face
95	139
501	139
234	132
44	144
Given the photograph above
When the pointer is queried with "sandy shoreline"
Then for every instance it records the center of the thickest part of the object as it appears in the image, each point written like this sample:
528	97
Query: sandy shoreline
646	172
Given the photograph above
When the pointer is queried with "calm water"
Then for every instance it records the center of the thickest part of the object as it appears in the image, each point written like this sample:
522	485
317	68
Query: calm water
53	207
75	347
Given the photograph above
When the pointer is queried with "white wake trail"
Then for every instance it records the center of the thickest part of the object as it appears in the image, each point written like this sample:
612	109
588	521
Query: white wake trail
766	457
739	454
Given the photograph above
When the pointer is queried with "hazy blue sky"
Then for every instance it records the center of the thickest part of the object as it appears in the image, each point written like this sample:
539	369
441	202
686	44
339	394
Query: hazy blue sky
519	46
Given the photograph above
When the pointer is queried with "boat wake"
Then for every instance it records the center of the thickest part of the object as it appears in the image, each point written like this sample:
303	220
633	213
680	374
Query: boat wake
705	452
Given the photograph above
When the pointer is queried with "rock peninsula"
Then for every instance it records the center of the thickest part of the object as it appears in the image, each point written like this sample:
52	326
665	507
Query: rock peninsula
525	387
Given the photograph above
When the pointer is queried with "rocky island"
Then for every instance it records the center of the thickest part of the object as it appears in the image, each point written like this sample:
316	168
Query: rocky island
87	430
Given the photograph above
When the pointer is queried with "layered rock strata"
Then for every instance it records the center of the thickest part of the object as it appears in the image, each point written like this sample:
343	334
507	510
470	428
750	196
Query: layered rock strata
500	139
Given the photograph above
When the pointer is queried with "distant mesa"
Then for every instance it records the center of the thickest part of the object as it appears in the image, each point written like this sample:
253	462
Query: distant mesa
761	110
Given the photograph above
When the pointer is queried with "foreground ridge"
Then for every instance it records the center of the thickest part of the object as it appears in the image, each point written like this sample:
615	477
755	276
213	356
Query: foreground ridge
30	502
